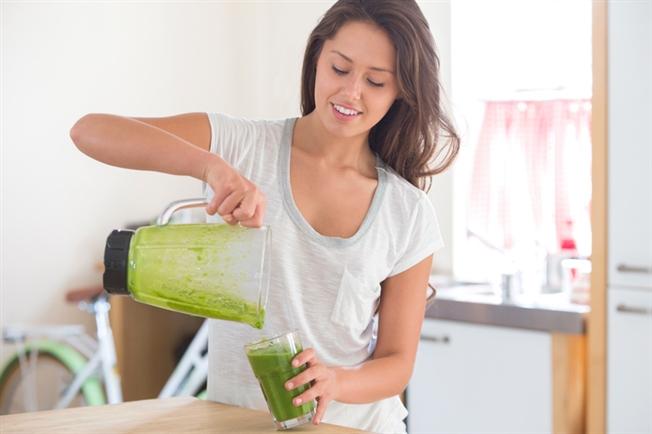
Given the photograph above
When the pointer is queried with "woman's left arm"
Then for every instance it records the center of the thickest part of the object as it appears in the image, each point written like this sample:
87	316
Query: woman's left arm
387	372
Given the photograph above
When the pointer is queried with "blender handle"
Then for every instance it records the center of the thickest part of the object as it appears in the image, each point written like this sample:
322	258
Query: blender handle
165	216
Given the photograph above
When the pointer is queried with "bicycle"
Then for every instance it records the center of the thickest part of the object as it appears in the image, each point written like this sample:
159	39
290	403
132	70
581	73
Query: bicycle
62	366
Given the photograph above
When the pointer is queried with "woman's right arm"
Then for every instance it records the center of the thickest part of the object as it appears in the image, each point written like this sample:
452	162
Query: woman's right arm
177	145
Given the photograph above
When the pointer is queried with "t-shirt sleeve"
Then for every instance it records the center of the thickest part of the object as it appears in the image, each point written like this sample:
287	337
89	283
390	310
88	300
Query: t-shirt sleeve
424	237
232	138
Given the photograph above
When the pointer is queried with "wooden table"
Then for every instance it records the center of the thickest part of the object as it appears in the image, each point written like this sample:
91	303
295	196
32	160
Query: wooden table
172	415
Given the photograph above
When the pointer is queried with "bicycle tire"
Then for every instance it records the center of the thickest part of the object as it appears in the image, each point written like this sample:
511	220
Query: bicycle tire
53	353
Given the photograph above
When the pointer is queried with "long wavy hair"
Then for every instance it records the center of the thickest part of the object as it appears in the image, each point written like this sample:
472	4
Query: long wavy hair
415	137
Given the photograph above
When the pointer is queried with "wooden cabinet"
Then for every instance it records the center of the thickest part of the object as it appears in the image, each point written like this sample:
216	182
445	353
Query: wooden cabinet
629	364
472	378
630	143
149	341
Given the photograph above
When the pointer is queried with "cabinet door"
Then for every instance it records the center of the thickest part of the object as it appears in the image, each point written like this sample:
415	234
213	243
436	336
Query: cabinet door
629	361
480	379
630	143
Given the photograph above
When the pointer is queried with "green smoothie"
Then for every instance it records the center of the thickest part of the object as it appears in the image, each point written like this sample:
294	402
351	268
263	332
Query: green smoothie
272	366
182	268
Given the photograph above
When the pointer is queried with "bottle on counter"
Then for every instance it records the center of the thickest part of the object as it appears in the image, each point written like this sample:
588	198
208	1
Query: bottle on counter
556	280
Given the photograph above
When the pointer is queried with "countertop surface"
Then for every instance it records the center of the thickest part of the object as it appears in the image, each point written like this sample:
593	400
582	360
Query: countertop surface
171	415
549	313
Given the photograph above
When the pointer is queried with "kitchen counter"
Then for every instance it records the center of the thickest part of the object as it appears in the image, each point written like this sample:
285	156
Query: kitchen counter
172	415
550	312
547	332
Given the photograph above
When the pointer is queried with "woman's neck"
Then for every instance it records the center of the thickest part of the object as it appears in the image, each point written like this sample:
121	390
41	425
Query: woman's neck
311	137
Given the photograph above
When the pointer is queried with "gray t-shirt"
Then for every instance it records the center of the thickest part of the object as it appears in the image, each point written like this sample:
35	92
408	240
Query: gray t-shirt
327	288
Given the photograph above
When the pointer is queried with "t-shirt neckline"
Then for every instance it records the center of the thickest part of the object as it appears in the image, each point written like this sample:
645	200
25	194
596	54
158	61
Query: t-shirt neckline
293	210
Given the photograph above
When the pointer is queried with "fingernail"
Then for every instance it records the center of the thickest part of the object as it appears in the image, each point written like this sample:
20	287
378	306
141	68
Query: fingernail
288	386
295	363
297	401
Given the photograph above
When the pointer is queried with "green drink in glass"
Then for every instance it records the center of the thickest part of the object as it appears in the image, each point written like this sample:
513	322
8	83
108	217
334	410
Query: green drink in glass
271	362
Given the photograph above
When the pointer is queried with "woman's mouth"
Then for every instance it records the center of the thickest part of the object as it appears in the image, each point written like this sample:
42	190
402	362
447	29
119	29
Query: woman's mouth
344	113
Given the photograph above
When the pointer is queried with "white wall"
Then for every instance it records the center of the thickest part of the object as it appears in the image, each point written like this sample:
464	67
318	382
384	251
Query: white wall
62	60
438	13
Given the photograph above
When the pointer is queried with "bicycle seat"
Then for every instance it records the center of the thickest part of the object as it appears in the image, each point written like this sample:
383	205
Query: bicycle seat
83	294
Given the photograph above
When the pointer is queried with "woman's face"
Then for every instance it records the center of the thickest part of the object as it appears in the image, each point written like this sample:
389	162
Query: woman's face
356	83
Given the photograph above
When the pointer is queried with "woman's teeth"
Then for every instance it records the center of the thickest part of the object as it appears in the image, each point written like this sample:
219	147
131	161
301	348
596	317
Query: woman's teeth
345	111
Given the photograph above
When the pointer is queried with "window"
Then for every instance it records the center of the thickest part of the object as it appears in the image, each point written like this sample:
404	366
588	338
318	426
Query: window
521	84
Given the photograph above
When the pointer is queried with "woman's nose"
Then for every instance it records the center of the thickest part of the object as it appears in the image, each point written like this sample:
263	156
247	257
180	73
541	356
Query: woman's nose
353	87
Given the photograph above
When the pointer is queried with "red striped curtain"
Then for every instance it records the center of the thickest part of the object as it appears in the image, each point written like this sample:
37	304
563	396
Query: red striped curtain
531	176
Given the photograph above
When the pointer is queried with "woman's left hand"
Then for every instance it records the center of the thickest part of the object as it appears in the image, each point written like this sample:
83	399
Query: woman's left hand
321	378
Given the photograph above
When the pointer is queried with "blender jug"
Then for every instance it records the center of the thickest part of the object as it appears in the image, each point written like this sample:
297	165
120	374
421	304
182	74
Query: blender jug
212	270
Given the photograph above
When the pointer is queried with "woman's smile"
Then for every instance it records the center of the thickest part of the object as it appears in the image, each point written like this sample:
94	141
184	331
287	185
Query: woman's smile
343	113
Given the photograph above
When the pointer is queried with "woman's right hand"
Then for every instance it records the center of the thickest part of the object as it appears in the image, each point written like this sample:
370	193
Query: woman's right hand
236	199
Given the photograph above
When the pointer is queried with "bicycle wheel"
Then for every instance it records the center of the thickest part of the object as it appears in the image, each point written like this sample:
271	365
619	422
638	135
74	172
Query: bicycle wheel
54	368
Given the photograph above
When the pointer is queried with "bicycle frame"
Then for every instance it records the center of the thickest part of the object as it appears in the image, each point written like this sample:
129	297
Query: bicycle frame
103	358
106	353
100	355
87	357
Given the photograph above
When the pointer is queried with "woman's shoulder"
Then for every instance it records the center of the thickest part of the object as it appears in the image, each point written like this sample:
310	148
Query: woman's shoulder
244	141
411	215
401	191
223	119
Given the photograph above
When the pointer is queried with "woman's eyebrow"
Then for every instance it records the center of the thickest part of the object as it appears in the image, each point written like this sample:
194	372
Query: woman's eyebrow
375	68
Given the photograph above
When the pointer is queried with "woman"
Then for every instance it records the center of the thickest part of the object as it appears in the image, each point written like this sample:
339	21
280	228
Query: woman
353	233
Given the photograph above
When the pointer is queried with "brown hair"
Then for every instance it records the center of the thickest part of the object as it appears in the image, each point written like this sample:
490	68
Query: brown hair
407	137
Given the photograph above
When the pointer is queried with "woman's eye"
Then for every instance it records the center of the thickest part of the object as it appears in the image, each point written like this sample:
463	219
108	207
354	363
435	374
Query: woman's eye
342	72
